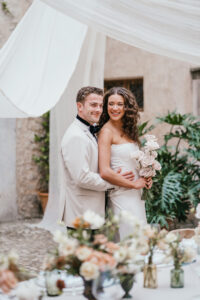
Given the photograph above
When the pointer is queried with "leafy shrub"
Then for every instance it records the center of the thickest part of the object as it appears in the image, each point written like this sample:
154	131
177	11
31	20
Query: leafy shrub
177	186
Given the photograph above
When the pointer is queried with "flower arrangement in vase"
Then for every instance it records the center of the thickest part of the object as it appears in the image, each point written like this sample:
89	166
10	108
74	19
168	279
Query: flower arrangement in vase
154	238
179	254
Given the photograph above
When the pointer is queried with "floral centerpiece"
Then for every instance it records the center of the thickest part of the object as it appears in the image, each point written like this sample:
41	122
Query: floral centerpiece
86	253
146	157
179	254
82	252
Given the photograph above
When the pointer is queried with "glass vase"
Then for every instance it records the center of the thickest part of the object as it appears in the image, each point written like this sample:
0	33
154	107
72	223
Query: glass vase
127	281
51	278
177	278
102	286
150	276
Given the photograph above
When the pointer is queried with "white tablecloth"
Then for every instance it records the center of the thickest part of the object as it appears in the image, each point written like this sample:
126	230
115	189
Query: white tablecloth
163	292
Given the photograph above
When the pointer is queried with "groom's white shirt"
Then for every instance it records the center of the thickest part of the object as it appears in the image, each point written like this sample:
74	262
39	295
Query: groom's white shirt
84	188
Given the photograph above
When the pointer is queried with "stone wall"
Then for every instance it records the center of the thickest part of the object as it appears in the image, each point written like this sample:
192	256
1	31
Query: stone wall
27	176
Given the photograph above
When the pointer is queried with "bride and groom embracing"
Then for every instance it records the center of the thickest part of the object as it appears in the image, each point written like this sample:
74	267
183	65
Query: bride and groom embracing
93	167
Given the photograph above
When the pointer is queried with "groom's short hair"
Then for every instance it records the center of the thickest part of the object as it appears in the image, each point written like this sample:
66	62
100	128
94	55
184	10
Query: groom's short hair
87	90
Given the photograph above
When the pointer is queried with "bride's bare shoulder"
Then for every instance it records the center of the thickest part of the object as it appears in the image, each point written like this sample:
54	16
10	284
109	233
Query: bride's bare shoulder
106	130
106	133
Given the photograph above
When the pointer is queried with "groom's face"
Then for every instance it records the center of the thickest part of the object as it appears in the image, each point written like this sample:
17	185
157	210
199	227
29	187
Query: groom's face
91	109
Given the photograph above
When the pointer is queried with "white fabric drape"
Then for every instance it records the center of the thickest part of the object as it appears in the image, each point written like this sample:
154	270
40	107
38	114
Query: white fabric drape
167	27
89	71
38	61
39	58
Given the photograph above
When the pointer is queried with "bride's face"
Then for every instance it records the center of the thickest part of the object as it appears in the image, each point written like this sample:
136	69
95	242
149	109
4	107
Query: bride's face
116	107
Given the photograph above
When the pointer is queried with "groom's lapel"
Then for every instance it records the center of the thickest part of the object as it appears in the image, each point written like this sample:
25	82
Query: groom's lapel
88	133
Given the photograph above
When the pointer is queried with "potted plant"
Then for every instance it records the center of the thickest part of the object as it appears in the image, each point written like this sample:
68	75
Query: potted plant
42	160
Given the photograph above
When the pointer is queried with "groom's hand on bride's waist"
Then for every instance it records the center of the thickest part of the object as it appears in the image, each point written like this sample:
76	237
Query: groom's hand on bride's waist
128	175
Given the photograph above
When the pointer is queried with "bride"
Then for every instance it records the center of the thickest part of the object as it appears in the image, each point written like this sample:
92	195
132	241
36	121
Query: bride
118	138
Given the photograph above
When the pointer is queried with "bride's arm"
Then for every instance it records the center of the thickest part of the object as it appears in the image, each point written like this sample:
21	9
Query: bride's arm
104	144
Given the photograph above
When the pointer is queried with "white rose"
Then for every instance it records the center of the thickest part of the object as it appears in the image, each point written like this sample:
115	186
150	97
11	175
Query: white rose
120	254
171	237
93	219
156	165
89	270
27	291
151	145
67	248
150	137
83	253
60	237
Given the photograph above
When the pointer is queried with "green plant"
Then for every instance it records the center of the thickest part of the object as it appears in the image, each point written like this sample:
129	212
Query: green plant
42	160
177	186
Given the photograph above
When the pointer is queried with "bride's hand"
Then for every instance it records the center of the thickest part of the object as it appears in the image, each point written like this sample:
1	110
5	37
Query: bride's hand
149	182
140	183
143	183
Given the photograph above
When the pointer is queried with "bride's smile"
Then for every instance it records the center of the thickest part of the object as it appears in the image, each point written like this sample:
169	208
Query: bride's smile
116	107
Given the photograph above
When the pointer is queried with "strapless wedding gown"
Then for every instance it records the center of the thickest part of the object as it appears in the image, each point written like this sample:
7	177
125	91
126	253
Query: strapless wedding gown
123	198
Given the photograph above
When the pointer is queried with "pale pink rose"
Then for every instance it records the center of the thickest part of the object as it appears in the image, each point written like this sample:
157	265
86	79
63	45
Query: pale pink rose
102	260
83	252
138	155
147	172
147	160
111	247
154	154
100	239
89	270
156	165
149	231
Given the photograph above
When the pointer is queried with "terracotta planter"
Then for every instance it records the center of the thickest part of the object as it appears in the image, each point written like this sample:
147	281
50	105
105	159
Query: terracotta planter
43	197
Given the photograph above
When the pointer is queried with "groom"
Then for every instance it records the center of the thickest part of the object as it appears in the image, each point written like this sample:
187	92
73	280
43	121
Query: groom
84	188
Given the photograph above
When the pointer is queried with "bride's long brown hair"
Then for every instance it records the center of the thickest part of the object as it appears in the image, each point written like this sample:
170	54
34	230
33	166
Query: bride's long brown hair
131	115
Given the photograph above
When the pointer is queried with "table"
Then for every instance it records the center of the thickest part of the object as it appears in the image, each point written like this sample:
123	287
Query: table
163	292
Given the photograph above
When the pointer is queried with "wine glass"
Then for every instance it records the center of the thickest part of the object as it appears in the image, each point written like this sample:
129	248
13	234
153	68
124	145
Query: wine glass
103	287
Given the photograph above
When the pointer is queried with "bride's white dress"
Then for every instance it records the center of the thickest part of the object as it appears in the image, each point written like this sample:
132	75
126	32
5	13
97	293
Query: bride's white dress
123	198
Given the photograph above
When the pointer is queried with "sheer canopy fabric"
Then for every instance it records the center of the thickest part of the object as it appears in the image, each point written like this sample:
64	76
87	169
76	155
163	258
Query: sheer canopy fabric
168	27
39	58
38	61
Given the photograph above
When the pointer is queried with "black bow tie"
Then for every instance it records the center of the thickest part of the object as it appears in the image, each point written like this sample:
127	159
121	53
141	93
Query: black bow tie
92	128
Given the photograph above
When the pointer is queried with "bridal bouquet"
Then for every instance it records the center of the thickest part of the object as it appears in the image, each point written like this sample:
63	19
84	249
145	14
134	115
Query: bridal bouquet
146	157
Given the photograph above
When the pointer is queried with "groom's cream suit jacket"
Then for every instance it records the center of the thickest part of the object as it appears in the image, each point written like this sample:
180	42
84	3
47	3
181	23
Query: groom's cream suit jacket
84	188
